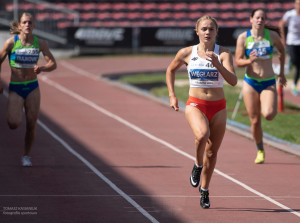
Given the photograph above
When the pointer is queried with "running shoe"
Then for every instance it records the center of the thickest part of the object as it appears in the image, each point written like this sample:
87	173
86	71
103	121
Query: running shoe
204	200
26	161
260	158
295	92
195	176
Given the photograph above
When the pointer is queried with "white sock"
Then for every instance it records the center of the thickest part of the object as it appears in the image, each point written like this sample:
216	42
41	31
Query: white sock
198	165
204	189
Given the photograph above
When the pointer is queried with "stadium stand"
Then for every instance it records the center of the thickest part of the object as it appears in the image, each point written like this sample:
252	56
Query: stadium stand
58	17
136	13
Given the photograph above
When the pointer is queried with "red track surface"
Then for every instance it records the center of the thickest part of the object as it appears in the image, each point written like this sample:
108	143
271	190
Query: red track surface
123	169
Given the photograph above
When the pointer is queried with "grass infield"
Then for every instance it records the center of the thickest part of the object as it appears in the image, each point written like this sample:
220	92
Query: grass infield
283	126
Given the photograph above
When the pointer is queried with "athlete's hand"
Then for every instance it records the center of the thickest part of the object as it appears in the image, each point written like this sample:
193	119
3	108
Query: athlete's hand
282	80
174	103
36	69
253	56
212	57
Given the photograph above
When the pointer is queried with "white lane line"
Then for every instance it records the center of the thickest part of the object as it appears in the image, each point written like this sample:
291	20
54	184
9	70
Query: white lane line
139	195
154	138
78	70
96	171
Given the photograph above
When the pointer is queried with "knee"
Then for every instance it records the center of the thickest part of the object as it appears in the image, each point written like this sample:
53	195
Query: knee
202	136
269	115
30	126
13	124
211	155
255	121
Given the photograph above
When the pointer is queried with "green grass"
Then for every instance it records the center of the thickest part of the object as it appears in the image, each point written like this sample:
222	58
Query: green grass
284	126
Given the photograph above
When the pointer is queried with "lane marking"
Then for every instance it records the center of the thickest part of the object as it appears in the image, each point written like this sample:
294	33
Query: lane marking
78	70
154	138
138	195
96	171
99	174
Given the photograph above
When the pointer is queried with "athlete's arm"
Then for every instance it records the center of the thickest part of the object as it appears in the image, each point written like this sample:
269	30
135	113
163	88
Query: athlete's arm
281	55
8	45
281	26
178	61
225	67
50	60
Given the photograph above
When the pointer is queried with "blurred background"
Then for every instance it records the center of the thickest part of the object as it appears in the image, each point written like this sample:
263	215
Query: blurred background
116	27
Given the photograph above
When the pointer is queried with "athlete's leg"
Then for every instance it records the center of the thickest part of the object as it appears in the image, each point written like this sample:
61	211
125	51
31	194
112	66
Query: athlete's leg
294	52
297	68
268	98
252	103
14	110
200	127
217	131
297	76
32	108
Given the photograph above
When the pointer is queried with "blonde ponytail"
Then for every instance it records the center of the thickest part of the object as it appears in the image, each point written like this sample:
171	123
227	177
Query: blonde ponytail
14	28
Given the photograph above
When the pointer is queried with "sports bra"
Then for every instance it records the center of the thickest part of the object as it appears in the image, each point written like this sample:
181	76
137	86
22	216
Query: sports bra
202	72
263	48
24	56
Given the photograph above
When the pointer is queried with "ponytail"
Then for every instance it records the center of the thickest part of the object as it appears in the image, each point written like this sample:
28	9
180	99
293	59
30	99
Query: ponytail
273	28
14	28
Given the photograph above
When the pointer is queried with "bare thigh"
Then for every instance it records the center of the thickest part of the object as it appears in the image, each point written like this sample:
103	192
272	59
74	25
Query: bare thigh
217	131
14	109
251	100
268	98
197	121
32	106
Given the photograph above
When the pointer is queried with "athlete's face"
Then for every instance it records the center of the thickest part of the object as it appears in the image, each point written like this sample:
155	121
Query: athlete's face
258	19
207	31
26	24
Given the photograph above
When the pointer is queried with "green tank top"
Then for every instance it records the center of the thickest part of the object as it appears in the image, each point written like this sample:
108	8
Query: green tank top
24	56
263	48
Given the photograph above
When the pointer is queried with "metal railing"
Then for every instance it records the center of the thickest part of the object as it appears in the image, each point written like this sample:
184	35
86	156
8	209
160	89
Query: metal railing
44	13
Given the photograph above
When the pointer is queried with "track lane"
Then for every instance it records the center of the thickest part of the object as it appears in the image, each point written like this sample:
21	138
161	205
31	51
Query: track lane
162	175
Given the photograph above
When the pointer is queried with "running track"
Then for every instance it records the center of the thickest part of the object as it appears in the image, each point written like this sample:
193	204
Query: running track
104	154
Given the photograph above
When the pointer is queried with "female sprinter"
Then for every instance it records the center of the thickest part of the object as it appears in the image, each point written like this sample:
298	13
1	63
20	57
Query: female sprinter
254	50
23	51
208	64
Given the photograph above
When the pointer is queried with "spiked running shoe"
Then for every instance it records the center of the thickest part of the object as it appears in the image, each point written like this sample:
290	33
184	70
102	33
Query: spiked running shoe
26	161
204	200
260	158
195	176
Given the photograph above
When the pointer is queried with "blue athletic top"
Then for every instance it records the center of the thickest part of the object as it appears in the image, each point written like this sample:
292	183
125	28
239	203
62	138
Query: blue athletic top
263	48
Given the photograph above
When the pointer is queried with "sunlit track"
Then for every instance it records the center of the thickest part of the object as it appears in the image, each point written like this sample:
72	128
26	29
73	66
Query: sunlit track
168	145
95	170
141	146
137	195
98	173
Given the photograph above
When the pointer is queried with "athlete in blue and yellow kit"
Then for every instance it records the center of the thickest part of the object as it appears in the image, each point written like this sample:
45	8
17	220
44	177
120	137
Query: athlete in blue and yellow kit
208	65
254	50
23	50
